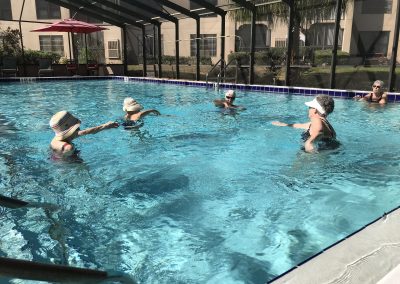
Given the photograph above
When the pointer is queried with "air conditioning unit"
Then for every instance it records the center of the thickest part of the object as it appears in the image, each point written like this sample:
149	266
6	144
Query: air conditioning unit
113	49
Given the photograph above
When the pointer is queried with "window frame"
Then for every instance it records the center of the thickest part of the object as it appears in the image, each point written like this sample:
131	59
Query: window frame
376	7
206	40
5	10
49	8
51	40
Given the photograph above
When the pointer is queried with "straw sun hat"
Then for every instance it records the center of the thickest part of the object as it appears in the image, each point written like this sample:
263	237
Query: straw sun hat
131	105
64	124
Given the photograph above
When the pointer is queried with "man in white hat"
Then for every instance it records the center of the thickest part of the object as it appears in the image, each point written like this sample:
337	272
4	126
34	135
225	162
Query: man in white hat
319	128
227	103
66	128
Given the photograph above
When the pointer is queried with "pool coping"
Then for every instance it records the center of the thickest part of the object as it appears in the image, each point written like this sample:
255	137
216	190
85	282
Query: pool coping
369	255
300	91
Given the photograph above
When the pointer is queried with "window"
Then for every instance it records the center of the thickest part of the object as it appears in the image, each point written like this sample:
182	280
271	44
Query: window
113	49
280	42
208	45
377	6
322	35
243	37
52	43
95	46
370	43
5	10
46	10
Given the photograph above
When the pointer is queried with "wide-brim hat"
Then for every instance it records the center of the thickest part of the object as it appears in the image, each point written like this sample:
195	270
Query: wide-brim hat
64	124
315	104
131	105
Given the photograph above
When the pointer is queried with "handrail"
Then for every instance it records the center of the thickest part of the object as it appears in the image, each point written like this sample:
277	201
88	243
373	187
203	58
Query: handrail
215	65
223	71
24	269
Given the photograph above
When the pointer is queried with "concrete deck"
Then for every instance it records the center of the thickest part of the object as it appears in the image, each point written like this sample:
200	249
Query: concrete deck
371	255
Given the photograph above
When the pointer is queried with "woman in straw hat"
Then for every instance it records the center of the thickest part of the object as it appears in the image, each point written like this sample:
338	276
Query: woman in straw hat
318	129
66	128
227	103
133	113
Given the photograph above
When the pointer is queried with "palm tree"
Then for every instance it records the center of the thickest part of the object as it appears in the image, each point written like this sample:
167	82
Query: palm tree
305	12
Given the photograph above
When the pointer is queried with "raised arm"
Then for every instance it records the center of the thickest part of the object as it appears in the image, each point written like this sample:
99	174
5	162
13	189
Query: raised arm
93	130
149	111
294	125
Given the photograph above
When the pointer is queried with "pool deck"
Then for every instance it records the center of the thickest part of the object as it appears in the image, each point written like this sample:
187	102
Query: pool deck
372	255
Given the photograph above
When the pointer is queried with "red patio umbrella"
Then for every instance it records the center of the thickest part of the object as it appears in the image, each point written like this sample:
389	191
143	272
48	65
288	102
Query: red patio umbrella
71	26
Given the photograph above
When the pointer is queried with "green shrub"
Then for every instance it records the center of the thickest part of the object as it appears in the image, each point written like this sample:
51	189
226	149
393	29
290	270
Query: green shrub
10	42
32	56
241	57
325	57
275	54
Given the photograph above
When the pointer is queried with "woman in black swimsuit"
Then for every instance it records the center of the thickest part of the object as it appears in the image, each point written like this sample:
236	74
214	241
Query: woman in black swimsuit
377	95
134	113
318	129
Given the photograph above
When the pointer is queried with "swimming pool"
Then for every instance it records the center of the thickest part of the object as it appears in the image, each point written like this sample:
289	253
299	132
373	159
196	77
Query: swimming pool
196	195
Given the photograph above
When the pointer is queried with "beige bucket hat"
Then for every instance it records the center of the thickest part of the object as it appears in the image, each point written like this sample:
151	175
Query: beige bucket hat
131	105
64	124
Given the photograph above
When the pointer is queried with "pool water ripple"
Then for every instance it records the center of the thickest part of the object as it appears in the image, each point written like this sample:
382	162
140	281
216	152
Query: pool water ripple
196	195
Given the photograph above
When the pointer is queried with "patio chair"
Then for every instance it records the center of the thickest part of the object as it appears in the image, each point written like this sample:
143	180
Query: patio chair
92	67
45	68
9	66
72	66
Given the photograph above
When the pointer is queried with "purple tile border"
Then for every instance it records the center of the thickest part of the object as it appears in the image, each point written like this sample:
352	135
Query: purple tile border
299	91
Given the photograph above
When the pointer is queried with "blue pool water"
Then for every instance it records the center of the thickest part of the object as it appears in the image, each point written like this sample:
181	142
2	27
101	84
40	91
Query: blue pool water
196	195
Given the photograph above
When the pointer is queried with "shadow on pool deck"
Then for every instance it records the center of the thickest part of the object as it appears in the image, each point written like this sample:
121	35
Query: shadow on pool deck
371	255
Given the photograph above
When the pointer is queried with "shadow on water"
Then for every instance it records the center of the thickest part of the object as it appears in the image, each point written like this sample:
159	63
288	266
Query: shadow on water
301	246
6	128
250	270
157	183
192	136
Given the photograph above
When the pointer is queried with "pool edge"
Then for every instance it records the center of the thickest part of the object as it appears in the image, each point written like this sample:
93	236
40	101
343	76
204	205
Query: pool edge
300	91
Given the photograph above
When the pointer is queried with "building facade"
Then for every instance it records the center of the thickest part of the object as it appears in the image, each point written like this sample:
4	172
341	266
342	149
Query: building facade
366	29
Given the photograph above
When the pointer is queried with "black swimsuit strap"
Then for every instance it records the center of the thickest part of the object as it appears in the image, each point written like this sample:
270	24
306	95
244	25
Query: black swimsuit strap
377	100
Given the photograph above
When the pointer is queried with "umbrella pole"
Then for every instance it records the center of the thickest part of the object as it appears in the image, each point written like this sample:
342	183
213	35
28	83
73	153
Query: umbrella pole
69	45
86	50
87	71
